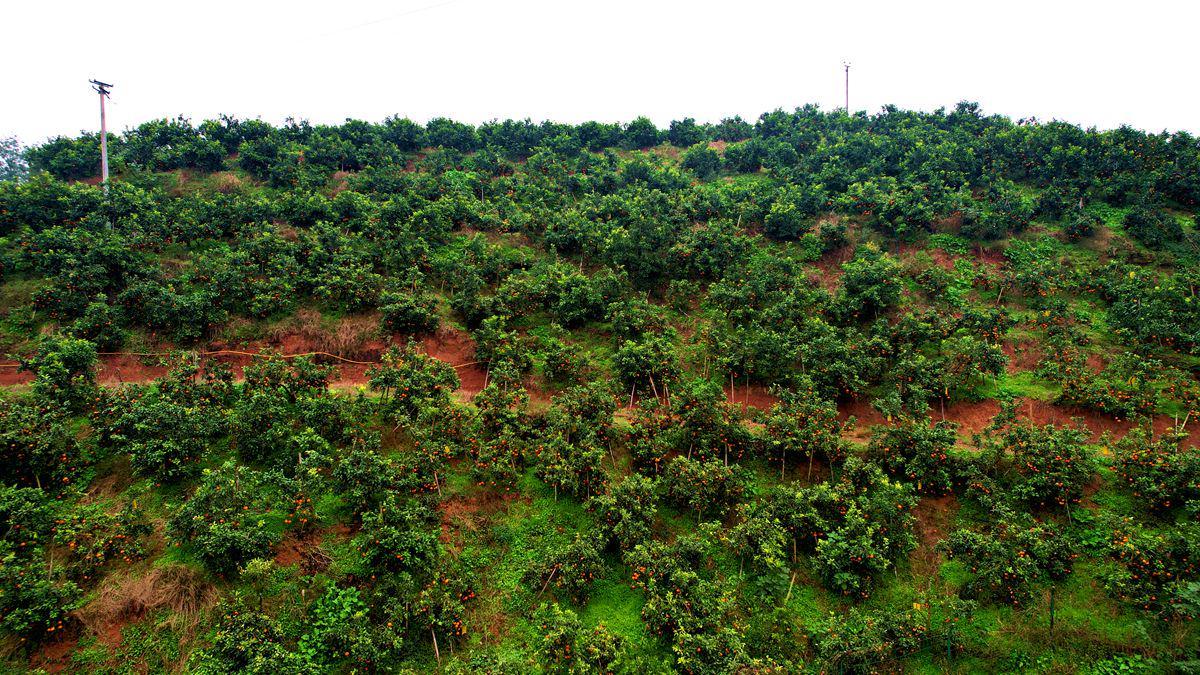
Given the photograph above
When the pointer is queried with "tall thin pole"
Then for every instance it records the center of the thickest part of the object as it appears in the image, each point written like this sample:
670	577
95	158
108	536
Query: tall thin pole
103	143
846	65
102	88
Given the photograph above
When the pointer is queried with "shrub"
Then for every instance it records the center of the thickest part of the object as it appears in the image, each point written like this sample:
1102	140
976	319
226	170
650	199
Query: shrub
1081	226
917	452
1157	571
1006	562
224	521
702	161
707	487
625	514
408	313
1152	226
1051	464
1160	472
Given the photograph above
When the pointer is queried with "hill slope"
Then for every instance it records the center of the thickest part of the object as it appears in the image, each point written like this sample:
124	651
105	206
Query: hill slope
898	392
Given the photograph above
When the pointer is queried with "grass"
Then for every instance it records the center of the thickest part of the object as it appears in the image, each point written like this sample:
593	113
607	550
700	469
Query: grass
1025	384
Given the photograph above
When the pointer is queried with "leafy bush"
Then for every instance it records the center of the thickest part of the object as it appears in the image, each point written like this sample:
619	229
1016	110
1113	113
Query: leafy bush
917	452
408	313
701	160
625	514
1152	226
707	487
1051	464
1158	571
1007	561
1160	472
225	520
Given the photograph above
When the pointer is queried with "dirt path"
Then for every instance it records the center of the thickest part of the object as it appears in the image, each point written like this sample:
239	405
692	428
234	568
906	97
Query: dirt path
448	345
458	349
973	417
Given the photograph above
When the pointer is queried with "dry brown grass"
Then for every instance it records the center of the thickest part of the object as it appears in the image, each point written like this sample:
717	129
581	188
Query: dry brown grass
306	331
125	598
227	182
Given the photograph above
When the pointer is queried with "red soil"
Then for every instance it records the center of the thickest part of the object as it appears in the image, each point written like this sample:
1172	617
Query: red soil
940	257
989	256
10	376
119	369
972	417
54	657
305	552
463	517
458	349
754	396
449	345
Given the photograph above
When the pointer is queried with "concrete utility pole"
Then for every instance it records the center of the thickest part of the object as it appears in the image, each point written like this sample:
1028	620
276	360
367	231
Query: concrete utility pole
102	88
846	65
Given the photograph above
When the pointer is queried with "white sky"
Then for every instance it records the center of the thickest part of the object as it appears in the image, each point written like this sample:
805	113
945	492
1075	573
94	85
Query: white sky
1092	63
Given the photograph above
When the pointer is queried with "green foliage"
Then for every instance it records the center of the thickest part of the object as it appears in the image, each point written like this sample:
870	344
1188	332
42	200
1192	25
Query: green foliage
701	160
1007	561
647	362
571	569
225	520
408	313
918	452
870	285
614	289
1050	465
64	370
1157	571
706	487
803	425
1152	226
863	641
399	537
32	604
1161	473
567	647
247	642
410	382
626	513
37	446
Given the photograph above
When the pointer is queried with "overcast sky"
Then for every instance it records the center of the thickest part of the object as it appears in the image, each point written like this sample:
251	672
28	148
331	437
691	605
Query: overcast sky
1092	63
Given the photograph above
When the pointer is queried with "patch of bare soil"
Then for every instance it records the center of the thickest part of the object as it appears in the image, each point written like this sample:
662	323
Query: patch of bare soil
935	517
939	257
11	375
115	369
865	416
54	657
304	552
752	396
465	517
458	349
972	417
1023	355
989	256
829	268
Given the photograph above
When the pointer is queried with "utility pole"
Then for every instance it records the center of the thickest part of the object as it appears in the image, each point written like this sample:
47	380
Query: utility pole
846	65
102	88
